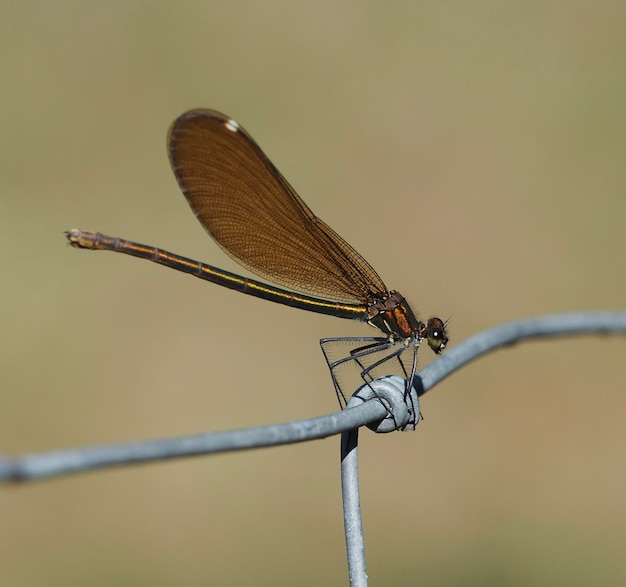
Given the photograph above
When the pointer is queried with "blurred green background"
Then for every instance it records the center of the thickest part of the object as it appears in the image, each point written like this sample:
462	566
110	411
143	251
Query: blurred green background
474	153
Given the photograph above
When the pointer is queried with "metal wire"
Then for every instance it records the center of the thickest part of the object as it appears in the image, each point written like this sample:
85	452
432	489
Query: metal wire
355	545
380	407
63	462
402	414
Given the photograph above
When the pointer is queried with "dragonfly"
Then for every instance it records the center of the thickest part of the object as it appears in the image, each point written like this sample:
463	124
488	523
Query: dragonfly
258	219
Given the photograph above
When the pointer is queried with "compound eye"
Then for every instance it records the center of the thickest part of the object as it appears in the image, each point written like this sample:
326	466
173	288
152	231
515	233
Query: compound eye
436	335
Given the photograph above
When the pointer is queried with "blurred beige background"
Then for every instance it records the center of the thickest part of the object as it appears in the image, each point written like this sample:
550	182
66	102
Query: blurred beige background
473	152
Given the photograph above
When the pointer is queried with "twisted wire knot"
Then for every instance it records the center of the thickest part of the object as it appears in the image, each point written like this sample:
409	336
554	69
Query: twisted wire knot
403	412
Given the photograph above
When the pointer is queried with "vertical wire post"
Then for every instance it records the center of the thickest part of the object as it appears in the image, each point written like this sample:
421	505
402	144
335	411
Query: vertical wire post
352	508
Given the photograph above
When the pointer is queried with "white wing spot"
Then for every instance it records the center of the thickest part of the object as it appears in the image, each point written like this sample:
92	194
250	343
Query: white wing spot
232	126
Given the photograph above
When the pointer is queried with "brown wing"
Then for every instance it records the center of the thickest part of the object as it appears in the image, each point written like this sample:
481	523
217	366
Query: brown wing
253	213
